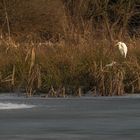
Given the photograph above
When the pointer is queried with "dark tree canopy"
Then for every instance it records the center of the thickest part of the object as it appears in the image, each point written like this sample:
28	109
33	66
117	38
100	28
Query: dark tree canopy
53	17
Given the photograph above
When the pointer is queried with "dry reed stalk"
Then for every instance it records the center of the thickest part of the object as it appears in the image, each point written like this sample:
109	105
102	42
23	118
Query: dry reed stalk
79	92
63	92
120	83
30	84
13	76
110	86
33	56
7	19
133	89
39	79
34	72
138	83
52	92
28	54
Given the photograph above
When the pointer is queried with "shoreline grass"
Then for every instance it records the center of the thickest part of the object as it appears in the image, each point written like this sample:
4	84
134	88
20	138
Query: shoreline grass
64	51
58	69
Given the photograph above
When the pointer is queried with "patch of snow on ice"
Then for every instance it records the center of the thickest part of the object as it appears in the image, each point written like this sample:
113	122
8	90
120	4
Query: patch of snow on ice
4	106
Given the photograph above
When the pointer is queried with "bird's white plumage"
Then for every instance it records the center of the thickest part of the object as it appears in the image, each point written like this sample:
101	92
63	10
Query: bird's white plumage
122	48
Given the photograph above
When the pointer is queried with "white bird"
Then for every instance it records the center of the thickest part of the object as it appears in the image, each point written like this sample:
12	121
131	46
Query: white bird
122	48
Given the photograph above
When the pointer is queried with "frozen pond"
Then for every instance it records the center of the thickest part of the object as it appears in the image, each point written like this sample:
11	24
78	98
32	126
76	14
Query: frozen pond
86	118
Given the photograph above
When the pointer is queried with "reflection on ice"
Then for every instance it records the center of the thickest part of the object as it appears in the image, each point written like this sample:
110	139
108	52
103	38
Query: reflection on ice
14	106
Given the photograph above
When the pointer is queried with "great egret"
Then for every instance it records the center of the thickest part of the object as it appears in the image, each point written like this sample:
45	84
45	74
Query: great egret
122	48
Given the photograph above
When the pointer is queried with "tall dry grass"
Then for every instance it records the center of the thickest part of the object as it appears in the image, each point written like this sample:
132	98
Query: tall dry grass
36	67
73	61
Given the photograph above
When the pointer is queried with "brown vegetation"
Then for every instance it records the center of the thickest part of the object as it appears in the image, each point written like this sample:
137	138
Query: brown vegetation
62	47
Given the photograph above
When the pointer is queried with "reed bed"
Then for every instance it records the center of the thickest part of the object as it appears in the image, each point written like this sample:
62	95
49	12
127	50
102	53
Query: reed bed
65	50
60	69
